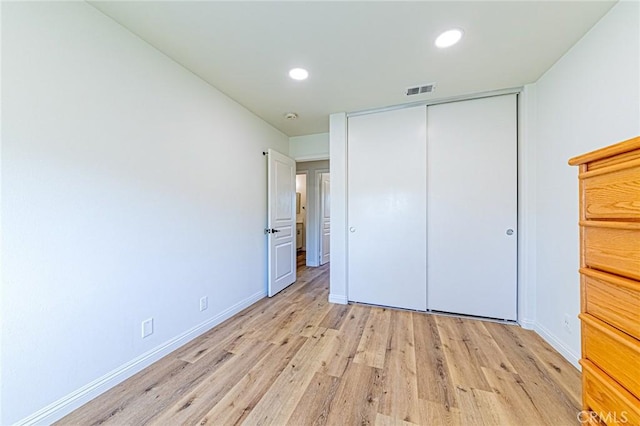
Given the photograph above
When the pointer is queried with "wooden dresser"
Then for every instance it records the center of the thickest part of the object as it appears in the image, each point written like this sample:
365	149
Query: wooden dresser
610	282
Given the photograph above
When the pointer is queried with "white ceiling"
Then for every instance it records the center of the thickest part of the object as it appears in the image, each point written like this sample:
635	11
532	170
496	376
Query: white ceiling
360	55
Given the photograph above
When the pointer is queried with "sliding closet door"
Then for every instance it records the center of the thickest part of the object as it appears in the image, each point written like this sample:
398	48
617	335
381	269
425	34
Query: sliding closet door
387	208
472	207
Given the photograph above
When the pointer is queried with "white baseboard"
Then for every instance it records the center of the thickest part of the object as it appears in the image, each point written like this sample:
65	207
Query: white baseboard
558	345
60	408
527	324
338	298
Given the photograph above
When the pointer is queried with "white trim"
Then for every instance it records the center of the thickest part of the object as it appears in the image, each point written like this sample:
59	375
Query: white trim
339	299
312	157
427	102
526	208
58	409
338	208
527	324
557	344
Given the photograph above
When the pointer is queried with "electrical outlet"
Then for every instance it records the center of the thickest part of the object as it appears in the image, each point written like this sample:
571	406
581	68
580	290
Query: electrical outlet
147	327
204	303
567	323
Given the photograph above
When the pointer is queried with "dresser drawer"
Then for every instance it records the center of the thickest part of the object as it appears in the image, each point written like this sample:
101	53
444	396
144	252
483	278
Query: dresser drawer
613	299
613	194
615	352
607	398
612	247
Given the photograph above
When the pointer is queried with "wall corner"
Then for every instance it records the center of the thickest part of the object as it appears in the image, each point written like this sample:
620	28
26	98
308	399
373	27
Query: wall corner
338	239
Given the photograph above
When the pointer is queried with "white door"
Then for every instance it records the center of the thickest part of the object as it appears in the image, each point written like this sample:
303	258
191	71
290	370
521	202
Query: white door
472	193
281	224
387	208
325	217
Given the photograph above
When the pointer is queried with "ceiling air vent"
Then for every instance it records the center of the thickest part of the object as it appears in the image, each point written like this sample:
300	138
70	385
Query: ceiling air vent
425	88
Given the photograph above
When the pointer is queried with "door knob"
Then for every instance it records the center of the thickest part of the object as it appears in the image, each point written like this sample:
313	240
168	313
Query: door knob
509	231
352	229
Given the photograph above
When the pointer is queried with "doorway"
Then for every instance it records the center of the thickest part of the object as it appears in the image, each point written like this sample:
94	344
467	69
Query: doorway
301	218
324	214
314	212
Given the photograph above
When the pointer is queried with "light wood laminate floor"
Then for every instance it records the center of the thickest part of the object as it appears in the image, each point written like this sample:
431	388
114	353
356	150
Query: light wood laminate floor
297	359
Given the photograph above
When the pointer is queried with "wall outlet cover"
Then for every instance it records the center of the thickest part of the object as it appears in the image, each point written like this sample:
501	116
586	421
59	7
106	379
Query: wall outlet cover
567	323
147	327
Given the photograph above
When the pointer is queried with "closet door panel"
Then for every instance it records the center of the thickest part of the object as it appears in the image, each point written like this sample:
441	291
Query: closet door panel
472	199
387	208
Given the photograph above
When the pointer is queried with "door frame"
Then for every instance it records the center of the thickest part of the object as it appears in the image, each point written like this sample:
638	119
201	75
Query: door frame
338	142
306	211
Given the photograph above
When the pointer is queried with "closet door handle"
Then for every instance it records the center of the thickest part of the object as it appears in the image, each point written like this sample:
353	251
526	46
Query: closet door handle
509	231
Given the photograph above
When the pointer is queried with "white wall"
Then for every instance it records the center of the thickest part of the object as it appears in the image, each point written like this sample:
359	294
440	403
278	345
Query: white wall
312	240
309	147
130	188
589	99
1	227
338	237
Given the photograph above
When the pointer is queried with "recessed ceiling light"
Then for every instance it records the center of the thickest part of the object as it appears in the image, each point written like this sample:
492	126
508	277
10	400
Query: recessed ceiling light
291	116
448	38
299	74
